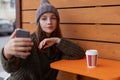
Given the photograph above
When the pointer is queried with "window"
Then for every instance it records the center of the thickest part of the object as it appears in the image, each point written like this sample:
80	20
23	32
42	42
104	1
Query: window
12	4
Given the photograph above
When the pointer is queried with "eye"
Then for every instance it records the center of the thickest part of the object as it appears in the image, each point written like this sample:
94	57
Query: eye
44	18
54	17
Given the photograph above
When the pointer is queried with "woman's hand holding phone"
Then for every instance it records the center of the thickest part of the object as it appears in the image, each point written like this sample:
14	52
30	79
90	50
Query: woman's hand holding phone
19	45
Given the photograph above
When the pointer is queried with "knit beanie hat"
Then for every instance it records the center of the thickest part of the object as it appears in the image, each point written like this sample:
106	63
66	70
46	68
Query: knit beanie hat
45	7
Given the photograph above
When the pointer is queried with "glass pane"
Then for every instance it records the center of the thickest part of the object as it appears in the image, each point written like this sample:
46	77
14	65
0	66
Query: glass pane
7	16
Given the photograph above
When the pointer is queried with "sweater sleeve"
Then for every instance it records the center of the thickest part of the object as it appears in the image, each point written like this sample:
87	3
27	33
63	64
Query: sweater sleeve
70	50
11	65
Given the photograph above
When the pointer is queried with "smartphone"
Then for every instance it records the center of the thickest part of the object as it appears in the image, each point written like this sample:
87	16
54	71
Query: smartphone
22	33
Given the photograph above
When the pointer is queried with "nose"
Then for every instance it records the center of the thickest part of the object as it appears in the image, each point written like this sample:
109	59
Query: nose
49	21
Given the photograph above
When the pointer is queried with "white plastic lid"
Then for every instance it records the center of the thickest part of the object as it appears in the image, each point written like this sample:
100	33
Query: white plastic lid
91	52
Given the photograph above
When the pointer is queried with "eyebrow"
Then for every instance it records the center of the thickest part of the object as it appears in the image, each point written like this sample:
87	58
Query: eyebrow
50	15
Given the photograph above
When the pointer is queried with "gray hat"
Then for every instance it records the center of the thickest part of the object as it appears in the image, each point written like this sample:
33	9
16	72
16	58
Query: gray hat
46	7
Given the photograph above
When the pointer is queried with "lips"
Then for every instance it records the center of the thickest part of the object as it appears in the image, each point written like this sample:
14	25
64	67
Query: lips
49	27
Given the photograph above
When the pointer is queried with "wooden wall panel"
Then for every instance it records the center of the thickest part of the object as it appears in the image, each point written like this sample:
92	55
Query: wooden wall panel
92	32
81	15
29	27
33	4
93	24
91	15
28	16
106	50
30	4
109	33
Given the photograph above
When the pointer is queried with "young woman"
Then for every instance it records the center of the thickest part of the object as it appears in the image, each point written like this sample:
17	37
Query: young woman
45	46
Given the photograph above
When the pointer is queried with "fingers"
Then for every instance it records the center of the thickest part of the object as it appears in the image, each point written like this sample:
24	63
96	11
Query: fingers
22	46
42	44
16	46
46	46
13	35
22	52
22	49
23	42
23	39
18	52
46	43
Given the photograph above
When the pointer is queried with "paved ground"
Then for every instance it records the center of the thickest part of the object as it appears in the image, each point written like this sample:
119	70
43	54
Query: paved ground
3	41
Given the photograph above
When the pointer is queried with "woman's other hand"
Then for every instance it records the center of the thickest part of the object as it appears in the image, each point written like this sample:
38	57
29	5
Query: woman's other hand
48	42
17	47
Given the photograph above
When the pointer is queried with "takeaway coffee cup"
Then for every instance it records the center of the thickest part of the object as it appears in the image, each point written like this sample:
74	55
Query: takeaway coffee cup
91	58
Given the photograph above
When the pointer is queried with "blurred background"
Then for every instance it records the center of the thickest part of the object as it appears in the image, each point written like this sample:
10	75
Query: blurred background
7	26
7	16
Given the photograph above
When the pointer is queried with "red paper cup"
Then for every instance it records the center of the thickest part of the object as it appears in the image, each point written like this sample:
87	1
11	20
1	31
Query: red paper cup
91	58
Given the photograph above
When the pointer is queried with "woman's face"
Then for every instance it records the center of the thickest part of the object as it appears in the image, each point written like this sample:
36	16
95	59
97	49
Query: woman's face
48	22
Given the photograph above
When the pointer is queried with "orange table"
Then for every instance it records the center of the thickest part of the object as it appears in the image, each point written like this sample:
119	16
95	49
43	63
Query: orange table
105	70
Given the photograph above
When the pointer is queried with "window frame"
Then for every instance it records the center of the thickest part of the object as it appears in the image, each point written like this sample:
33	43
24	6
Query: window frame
18	14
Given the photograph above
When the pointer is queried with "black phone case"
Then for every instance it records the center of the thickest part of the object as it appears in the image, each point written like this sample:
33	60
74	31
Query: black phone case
23	33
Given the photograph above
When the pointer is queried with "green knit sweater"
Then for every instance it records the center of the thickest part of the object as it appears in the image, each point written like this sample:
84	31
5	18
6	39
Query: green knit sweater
37	65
